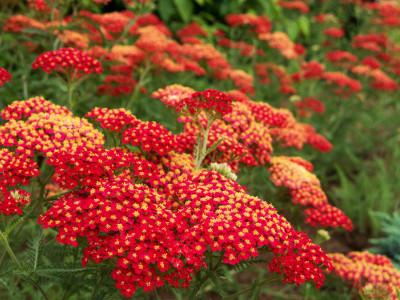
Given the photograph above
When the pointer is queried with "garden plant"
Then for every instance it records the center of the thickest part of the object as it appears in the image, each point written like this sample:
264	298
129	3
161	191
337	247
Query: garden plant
199	149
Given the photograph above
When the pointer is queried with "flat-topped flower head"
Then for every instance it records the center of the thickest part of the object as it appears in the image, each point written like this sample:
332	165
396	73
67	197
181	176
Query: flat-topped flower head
210	101
112	119
16	169
328	215
173	94
24	109
151	137
12	202
372	274
4	76
74	62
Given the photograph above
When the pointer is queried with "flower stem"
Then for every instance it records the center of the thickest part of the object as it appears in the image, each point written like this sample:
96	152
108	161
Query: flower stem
193	294
203	145
139	85
4	240
270	280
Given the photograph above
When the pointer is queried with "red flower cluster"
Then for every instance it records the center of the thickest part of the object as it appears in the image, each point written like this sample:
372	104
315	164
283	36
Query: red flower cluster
305	190
342	81
308	105
11	202
15	169
113	119
151	137
219	214
280	41
211	101
73	61
334	32
371	274
328	215
4	76
338	56
294	4
18	109
188	33
258	24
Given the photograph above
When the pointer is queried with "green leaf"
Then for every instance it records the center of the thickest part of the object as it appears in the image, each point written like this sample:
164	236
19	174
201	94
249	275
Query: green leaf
304	26
165	9
12	226
185	9
34	30
292	30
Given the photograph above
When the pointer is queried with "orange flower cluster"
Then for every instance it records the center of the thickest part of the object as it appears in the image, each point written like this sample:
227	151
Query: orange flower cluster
16	169
371	274
295	5
245	48
46	132
280	40
17	23
18	110
258	24
172	95
305	189
4	76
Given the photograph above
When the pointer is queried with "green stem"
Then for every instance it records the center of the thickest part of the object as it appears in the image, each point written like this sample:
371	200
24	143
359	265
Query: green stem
96	287
193	294
203	144
7	247
265	282
140	83
70	88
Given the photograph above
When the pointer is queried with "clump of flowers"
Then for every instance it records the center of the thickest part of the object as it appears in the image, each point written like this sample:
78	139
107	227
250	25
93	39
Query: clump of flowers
113	119
371	274
12	202
24	109
4	76
305	189
151	137
210	101
16	169
75	63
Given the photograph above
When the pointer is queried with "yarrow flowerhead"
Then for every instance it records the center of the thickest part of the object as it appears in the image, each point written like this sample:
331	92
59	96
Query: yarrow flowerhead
210	101
16	168
113	119
12	202
74	62
24	109
4	76
372	274
151	137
